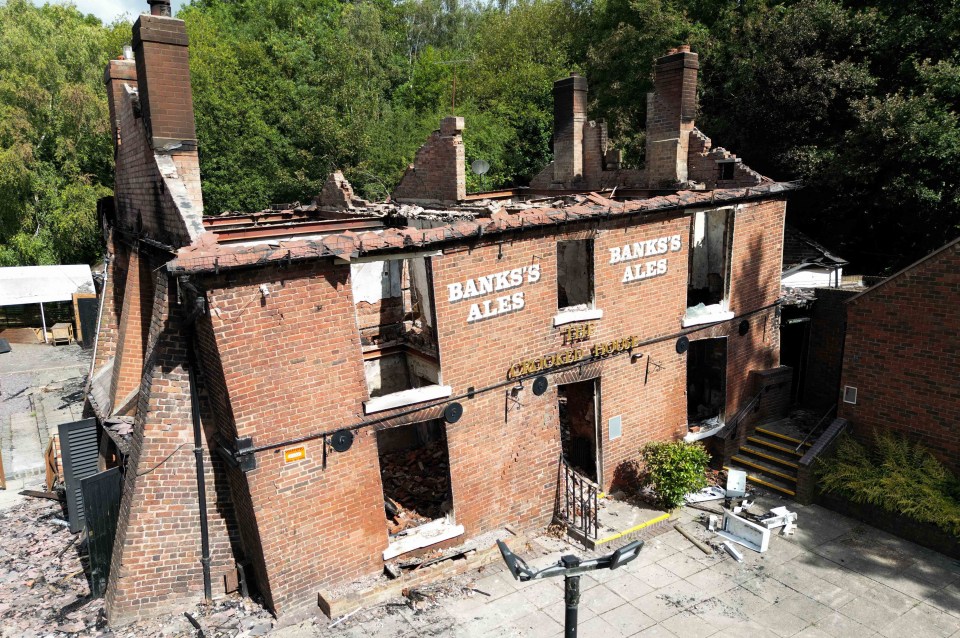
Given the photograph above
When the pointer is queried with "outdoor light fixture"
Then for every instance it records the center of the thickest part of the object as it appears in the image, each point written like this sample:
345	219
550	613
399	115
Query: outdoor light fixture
683	344
264	290
634	356
570	567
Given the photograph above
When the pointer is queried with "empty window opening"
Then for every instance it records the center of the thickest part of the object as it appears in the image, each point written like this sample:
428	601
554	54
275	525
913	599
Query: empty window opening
706	382
575	274
726	170
578	427
709	282
415	472
393	300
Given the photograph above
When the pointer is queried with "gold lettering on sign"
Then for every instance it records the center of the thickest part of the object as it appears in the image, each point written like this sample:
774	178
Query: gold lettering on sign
572	355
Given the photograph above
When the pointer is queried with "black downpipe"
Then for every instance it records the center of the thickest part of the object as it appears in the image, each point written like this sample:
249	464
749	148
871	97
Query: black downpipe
198	446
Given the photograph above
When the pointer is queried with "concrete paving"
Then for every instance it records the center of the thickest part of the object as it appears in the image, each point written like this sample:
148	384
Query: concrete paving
835	577
40	387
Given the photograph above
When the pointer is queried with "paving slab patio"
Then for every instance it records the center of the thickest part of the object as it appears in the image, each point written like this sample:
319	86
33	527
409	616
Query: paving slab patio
833	578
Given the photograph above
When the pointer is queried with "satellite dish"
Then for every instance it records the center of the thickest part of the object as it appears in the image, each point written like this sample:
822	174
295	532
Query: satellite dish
480	167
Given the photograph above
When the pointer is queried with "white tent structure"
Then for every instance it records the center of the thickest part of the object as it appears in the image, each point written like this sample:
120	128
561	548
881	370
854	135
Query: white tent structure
21	285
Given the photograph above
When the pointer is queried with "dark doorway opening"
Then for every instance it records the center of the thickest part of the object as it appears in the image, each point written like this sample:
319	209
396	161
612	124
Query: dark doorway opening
794	345
578	403
415	472
706	381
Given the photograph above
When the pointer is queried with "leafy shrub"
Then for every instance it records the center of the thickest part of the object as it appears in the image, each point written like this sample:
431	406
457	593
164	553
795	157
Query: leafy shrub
896	475
675	469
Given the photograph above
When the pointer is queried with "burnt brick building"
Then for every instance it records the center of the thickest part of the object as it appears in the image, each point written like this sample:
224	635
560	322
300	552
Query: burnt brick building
311	358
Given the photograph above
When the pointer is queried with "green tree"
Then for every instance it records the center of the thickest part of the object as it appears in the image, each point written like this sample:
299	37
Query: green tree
56	157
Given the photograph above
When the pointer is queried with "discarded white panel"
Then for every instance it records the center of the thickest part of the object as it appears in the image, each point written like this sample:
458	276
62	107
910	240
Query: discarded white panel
780	517
712	493
736	483
743	532
733	552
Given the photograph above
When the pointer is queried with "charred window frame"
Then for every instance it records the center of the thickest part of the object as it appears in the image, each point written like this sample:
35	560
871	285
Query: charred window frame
575	285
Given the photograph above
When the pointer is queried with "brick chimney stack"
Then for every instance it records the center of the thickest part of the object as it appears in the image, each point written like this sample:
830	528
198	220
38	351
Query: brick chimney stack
163	78
569	116
670	116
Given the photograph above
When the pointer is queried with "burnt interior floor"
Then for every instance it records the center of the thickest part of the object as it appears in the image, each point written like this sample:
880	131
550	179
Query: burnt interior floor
415	471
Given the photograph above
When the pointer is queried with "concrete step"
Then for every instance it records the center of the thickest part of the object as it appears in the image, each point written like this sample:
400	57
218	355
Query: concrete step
765	480
783	440
756	467
777	458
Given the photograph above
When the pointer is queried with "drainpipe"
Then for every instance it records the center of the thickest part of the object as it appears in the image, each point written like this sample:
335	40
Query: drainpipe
199	305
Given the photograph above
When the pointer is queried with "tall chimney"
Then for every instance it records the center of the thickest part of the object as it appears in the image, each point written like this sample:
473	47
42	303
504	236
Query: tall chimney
163	78
569	115
670	116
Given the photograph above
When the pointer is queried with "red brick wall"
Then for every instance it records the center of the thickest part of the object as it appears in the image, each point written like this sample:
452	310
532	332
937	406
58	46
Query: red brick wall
167	210
156	559
438	173
163	68
291	366
902	354
112	300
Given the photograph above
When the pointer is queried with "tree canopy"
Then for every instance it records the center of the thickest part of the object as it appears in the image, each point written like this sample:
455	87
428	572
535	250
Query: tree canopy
856	98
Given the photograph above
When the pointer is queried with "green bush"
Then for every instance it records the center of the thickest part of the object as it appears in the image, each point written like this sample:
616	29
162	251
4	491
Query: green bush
896	475
675	469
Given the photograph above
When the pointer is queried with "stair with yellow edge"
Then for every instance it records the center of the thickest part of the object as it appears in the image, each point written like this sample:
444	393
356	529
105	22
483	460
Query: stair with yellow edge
771	459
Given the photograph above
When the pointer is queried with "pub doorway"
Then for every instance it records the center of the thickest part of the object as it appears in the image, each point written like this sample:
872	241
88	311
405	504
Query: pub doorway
579	406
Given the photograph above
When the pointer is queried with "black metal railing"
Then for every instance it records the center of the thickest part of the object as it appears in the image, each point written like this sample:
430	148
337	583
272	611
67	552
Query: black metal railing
817	427
732	427
577	505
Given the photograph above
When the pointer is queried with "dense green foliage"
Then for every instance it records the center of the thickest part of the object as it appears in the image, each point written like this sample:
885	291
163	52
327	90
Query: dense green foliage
857	98
674	469
899	476
56	159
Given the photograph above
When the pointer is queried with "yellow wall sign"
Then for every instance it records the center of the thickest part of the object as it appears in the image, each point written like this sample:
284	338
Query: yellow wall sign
294	454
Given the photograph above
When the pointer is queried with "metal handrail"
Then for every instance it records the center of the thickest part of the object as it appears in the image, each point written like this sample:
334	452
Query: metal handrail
751	406
816	428
580	501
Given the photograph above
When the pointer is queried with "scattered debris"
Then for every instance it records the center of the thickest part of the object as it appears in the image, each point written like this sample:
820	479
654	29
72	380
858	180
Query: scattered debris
780	517
744	532
711	493
53	496
690	537
43	590
342	618
733	551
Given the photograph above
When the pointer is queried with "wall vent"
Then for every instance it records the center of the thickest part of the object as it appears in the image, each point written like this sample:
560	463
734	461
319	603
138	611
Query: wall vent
850	395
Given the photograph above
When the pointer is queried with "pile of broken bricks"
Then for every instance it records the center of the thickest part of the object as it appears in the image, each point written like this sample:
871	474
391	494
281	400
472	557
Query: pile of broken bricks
416	485
44	592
